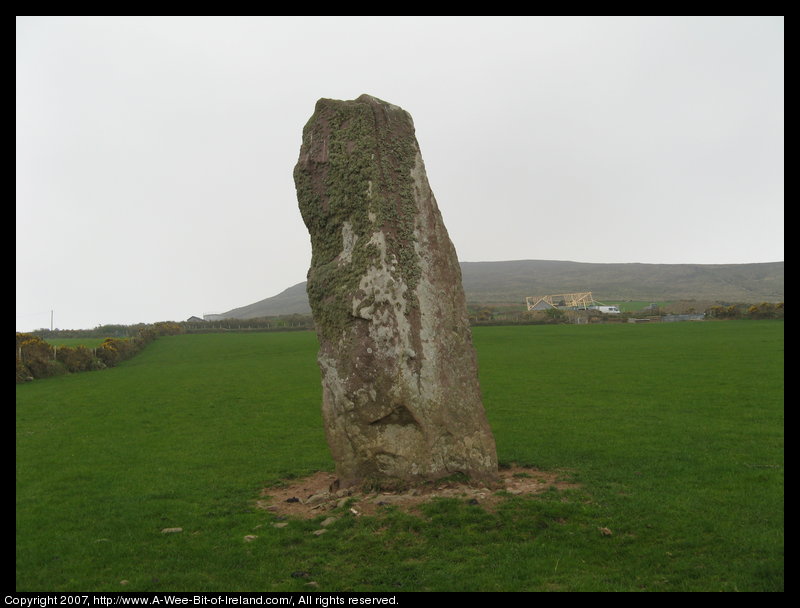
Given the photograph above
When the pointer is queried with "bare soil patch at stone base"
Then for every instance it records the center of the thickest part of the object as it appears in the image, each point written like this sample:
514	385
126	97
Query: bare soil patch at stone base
312	496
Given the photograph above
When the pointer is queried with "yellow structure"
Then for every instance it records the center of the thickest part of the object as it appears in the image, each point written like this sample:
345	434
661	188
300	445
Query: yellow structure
575	301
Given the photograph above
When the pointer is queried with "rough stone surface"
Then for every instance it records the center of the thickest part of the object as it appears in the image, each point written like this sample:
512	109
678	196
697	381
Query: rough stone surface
401	399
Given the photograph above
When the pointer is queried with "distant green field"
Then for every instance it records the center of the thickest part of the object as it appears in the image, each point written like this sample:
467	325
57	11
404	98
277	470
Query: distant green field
634	306
674	432
87	342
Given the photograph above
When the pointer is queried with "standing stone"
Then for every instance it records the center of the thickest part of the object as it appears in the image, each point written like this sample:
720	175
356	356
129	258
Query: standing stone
401	399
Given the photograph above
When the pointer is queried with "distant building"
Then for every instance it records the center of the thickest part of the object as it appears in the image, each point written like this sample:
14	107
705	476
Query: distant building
570	301
214	317
194	319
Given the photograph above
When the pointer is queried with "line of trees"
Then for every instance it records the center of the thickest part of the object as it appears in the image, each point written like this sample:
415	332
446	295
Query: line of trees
278	323
501	315
36	358
765	310
101	331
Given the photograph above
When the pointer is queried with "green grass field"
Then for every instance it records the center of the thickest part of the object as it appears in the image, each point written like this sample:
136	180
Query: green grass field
634	305
73	342
674	433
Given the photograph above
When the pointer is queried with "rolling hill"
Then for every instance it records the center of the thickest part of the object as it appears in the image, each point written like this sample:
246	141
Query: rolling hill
510	282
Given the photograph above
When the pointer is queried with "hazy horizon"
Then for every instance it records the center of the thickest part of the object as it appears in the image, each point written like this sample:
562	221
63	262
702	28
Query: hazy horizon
154	155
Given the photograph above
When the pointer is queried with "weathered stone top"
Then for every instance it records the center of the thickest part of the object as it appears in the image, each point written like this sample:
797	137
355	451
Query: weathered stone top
353	180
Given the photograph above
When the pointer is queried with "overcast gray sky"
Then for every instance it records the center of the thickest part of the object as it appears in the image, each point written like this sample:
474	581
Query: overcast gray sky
154	155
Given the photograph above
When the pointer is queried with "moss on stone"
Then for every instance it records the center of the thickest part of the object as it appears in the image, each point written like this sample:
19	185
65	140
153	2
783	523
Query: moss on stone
364	173
399	389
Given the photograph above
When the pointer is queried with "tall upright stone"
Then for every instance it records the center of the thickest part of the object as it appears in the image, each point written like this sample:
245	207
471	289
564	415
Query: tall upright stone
401	399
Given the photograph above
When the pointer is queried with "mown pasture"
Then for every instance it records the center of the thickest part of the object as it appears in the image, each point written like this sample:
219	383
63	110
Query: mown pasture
635	305
73	342
674	433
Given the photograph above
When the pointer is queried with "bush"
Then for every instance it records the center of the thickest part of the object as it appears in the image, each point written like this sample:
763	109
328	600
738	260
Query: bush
719	311
75	359
114	350
34	358
765	310
23	373
38	359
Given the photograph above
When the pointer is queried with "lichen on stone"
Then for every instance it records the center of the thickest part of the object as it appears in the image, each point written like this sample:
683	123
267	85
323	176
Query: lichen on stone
400	393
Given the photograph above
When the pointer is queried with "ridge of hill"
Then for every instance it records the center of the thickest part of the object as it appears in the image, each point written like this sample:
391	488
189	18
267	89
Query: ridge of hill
510	282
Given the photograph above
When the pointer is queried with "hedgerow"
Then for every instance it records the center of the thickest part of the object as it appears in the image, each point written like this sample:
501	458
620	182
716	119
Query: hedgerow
37	358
